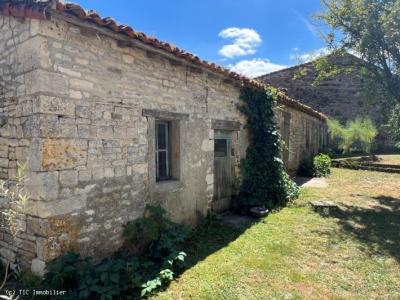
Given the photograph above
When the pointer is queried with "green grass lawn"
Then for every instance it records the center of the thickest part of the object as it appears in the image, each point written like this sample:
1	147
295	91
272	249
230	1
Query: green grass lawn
298	254
390	159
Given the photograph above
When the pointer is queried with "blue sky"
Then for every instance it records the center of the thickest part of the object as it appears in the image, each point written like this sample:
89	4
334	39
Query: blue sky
250	36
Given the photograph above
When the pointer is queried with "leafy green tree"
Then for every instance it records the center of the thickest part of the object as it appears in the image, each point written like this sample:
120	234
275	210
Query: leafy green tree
370	29
393	124
357	136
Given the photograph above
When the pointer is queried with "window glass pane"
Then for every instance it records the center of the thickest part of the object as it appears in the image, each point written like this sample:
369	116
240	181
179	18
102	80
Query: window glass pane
162	165
161	136
220	148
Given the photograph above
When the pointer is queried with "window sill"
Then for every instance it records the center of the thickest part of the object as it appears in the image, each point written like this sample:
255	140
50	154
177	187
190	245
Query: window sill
168	185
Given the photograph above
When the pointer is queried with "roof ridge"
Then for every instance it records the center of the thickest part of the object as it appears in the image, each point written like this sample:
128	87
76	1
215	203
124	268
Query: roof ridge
307	63
285	69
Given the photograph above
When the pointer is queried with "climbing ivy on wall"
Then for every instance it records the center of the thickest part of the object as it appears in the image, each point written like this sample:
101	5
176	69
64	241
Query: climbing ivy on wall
264	180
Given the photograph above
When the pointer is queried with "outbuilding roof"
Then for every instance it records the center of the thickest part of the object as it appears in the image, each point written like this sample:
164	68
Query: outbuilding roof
41	9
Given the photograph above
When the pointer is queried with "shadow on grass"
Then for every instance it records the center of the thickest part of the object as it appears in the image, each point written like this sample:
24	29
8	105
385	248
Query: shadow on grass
211	238
376	227
300	180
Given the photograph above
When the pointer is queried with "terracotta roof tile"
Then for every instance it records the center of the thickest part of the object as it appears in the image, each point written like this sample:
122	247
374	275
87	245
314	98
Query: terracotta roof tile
39	10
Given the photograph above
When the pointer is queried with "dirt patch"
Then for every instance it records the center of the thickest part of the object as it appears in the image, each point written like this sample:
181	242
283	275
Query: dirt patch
312	182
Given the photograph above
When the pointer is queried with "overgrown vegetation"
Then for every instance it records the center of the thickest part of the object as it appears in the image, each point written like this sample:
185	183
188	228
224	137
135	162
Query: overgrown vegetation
357	136
155	234
117	277
322	165
317	166
149	260
393	125
14	200
264	180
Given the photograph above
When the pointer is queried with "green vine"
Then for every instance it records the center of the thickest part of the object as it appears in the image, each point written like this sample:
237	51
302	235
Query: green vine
265	181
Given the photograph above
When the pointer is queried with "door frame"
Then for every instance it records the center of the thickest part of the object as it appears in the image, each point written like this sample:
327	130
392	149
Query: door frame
224	203
226	135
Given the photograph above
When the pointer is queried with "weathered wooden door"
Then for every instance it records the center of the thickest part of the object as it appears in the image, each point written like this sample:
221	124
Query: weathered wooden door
222	168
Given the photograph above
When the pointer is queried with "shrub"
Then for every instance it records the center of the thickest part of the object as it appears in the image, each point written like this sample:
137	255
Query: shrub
357	136
28	279
64	273
84	280
142	232
292	189
393	124
125	274
321	165
15	198
155	234
163	277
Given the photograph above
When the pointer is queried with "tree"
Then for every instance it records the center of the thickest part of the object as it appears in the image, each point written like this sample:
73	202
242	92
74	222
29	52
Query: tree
371	30
393	124
357	136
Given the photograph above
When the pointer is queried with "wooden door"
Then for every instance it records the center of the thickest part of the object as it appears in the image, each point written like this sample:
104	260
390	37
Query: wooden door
286	137
222	169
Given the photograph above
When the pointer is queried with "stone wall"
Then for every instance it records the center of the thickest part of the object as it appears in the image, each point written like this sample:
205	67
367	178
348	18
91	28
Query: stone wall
18	56
83	119
342	97
303	136
82	101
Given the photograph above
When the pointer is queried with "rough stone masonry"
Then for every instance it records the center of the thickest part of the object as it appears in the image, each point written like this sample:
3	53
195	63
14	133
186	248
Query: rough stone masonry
343	96
79	106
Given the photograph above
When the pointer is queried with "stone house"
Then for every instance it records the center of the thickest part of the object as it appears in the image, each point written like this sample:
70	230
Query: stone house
342	97
108	120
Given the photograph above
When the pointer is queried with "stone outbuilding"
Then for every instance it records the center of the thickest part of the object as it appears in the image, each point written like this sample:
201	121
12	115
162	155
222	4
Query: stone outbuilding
108	120
343	97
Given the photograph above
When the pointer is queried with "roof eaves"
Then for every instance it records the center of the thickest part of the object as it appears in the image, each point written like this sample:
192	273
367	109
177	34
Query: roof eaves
40	10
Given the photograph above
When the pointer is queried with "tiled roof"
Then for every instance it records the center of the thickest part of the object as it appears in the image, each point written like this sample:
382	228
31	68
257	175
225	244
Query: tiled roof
36	9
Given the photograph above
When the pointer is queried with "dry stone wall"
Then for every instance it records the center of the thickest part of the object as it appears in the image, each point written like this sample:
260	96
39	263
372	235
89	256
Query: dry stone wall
75	112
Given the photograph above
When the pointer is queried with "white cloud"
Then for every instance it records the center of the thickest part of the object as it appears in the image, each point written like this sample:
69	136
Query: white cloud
245	42
308	56
255	67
